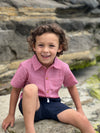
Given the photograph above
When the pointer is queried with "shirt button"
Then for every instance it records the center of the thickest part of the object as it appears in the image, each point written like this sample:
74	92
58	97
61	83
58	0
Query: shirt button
47	91
46	78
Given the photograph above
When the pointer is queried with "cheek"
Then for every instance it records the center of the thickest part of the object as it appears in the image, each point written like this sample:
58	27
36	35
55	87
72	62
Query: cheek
38	51
54	52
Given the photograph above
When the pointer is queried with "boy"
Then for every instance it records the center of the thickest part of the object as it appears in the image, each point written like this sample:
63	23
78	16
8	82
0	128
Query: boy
41	77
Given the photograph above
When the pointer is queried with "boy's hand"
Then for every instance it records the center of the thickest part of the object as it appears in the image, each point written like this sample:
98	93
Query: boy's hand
9	120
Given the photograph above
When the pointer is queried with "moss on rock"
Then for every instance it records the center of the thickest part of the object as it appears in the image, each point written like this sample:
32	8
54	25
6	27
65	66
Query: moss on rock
96	52
95	92
97	128
94	86
93	80
82	64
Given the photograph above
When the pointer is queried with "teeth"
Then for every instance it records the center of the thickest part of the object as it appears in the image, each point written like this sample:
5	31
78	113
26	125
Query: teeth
45	55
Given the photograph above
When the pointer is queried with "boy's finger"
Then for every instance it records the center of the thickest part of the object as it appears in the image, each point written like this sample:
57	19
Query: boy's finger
3	125
12	124
6	126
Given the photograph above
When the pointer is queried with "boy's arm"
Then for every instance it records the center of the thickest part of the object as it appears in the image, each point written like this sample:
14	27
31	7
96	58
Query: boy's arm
75	96
9	120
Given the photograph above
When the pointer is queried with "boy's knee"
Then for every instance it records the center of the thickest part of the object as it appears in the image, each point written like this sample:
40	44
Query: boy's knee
30	89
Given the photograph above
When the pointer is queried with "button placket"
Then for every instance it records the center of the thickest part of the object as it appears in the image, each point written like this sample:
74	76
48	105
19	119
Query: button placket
47	84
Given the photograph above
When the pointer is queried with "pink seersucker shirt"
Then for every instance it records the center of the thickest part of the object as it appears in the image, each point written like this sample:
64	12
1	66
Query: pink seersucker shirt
49	81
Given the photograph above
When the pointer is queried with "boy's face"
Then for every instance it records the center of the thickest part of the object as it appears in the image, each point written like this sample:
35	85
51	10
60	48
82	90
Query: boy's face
46	48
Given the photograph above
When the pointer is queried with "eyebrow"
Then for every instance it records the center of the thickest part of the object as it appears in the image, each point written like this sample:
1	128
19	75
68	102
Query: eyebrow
39	42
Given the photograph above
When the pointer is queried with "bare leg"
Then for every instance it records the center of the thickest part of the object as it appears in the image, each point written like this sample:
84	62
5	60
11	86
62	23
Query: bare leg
76	119
30	104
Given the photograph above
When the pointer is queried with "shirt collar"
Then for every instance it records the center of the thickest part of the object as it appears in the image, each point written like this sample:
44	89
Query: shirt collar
37	65
56	63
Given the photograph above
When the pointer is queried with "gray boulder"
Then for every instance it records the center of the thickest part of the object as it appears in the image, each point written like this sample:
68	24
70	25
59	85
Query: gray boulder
89	3
45	126
31	3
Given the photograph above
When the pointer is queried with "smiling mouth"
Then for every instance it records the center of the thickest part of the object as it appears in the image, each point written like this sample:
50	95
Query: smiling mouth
45	56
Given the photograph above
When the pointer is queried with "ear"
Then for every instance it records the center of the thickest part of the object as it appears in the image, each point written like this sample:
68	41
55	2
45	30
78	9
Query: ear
34	49
60	48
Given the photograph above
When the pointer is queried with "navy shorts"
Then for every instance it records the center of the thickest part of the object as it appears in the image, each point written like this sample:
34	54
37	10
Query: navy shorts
49	108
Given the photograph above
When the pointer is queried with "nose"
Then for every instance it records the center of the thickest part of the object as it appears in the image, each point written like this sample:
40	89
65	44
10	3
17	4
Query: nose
46	49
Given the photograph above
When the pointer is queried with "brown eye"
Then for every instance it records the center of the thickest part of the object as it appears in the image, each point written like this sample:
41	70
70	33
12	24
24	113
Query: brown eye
51	45
40	45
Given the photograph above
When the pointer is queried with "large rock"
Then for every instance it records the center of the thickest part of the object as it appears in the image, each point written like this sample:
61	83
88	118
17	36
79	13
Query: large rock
13	44
28	3
18	18
90	3
45	126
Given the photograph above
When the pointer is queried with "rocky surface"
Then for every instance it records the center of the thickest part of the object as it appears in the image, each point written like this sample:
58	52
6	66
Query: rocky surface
80	19
45	126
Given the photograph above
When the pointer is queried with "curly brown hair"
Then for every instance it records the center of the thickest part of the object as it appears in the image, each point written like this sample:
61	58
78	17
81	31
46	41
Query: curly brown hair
49	28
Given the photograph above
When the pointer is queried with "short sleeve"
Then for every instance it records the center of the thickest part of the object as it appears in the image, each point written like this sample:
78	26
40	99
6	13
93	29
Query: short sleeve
20	77
69	78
